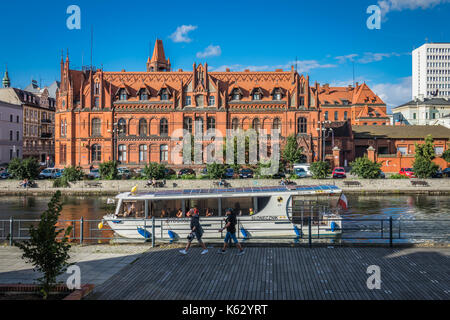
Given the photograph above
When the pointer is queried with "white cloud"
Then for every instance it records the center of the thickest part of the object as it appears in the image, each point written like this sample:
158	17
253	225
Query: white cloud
181	34
400	5
368	57
349	57
394	94
210	51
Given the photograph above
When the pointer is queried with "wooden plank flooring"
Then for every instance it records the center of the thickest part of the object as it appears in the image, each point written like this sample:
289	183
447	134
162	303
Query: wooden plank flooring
270	273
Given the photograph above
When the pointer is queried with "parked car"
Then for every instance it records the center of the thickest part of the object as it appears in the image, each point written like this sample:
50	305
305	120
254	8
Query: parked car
305	167
300	173
49	173
204	172
407	172
245	173
446	172
94	174
5	175
123	173
279	175
381	175
438	174
186	171
59	173
169	172
229	173
338	173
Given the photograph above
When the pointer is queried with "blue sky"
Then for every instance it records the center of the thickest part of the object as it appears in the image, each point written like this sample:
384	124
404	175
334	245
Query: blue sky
326	37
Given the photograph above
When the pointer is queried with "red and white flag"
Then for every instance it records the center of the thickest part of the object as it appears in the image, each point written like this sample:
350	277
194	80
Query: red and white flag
342	202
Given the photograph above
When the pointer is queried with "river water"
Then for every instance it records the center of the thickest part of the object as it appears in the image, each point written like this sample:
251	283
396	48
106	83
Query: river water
430	214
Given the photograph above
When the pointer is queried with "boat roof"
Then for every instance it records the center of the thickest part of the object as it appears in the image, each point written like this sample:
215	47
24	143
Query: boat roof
231	192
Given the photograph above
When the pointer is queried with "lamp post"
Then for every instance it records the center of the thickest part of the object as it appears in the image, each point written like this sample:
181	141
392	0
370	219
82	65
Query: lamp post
324	133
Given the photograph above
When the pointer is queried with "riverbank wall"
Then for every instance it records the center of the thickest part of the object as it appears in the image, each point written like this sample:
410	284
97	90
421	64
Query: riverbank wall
112	187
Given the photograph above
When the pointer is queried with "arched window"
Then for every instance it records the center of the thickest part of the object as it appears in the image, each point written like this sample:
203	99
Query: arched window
211	123
123	96
142	127
96	153
235	124
163	127
122	153
276	124
96	127
325	116
187	124
302	125
122	127
164	153
256	124
345	115
142	153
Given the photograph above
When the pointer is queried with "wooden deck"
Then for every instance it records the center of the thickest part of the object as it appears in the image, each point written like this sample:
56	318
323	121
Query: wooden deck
282	274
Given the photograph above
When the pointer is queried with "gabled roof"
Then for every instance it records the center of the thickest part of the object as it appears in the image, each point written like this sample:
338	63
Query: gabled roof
158	52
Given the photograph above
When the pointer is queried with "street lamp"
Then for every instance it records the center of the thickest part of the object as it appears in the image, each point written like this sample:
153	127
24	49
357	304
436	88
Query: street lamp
324	133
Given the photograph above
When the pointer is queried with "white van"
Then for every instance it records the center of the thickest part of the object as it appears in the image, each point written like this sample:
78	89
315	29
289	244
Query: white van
304	166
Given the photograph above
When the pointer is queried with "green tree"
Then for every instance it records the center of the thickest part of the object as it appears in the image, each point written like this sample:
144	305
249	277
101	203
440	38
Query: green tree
47	254
292	153
366	169
320	169
73	173
216	170
24	168
446	155
108	170
154	170
423	165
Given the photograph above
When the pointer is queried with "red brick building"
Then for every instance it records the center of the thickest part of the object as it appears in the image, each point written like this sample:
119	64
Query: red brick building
131	116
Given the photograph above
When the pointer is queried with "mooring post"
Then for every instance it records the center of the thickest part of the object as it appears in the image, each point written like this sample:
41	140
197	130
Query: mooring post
309	232
153	231
81	230
11	230
390	232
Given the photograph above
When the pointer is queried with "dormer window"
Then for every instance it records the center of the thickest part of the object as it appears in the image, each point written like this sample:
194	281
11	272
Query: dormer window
236	94
164	94
143	95
187	101
277	94
211	101
257	94
123	96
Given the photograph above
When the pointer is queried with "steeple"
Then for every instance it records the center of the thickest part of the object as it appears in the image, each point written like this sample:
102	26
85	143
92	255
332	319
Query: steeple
158	61
6	82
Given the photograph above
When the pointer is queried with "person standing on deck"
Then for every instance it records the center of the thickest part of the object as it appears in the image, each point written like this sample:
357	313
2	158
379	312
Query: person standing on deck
230	225
196	232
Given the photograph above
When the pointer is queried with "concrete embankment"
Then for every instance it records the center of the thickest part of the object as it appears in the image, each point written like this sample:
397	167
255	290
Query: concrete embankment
112	187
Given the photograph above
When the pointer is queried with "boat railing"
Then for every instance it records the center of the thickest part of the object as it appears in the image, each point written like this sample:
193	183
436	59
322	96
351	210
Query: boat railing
350	230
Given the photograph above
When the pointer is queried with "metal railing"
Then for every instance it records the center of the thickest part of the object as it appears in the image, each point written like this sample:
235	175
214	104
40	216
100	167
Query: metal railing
308	230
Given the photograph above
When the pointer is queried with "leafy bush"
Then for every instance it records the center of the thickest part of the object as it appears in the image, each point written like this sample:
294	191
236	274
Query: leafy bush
154	170
61	182
320	169
366	169
216	170
24	168
47	254
264	165
188	177
73	173
108	170
398	176
424	168
446	155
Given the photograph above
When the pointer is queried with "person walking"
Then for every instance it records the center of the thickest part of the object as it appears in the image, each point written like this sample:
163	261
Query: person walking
196	232
230	225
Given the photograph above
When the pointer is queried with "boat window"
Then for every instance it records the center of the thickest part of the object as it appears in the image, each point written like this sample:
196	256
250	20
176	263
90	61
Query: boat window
314	207
132	209
262	203
241	206
206	207
164	208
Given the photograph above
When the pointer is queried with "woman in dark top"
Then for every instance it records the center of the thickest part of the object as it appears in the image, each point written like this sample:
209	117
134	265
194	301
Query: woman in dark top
196	232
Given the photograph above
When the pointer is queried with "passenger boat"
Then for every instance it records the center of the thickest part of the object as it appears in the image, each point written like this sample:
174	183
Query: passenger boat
261	212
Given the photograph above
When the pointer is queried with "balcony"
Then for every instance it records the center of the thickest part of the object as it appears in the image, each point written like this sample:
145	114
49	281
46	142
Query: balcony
46	135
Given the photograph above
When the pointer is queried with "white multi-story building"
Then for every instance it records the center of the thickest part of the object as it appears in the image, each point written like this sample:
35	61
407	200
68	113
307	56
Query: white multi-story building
423	111
431	71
